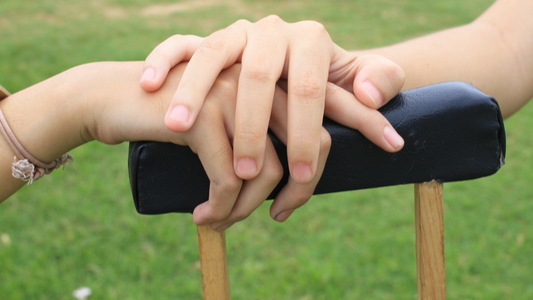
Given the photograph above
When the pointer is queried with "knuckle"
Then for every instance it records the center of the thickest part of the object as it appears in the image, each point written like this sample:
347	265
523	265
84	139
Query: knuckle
218	213
213	44
220	209
260	72
251	134
241	22
309	87
231	184
176	38
272	19
189	39
159	53
315	28
225	85
219	154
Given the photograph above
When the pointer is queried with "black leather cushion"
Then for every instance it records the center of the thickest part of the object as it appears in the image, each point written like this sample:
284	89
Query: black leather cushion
452	132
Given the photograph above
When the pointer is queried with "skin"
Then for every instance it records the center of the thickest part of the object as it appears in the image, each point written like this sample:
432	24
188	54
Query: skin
493	53
319	77
270	49
103	102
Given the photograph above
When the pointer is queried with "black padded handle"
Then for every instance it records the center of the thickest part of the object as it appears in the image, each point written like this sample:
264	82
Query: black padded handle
452	132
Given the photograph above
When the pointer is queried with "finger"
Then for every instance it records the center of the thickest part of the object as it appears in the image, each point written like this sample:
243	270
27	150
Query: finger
255	191
343	107
218	51
262	63
209	138
164	57
294	194
377	80
307	80
214	151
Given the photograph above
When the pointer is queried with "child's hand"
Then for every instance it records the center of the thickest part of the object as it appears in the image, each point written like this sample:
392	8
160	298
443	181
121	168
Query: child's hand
130	114
102	101
302	53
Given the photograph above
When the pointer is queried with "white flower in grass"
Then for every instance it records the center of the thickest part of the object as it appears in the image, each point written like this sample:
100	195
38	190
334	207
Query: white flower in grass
6	240
82	293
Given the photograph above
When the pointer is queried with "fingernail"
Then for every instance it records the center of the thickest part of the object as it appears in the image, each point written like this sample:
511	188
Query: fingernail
180	113
223	227
284	215
148	74
246	167
302	173
373	93
392	137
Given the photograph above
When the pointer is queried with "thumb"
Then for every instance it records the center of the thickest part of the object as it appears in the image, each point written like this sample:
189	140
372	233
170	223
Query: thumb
164	57
377	80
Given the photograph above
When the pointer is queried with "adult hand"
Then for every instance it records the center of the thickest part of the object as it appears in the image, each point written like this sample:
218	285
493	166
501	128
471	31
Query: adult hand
100	101
269	49
136	115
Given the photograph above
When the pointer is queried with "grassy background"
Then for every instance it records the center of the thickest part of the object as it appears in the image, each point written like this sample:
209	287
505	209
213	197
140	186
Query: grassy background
79	227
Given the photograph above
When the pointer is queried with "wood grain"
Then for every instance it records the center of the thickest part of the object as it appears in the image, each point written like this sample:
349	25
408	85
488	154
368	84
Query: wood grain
214	261
429	222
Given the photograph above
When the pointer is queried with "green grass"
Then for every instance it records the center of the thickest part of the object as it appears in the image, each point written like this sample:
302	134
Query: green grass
79	227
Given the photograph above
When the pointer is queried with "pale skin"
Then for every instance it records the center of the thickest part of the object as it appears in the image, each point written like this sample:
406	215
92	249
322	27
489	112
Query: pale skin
270	49
493	52
103	102
322	79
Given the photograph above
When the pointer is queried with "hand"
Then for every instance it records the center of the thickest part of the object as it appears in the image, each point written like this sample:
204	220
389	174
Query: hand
302	53
135	115
101	101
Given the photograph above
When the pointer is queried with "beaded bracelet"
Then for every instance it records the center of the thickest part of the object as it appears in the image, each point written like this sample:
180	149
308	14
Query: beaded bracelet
27	168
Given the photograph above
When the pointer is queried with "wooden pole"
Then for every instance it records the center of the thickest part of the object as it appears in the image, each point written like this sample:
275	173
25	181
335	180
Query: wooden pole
3	92
429	222
214	262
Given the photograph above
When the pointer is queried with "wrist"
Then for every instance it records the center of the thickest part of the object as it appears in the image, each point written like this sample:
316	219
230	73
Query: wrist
45	118
119	110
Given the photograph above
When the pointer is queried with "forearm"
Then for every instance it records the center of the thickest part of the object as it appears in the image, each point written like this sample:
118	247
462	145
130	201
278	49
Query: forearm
493	53
94	101
44	121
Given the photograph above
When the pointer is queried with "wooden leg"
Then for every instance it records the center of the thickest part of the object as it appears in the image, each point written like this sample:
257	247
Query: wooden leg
214	261
429	222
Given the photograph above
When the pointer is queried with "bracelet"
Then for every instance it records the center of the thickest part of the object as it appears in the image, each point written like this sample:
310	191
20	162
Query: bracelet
27	168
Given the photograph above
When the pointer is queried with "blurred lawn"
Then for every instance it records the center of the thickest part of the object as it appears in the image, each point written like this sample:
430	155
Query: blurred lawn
79	227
